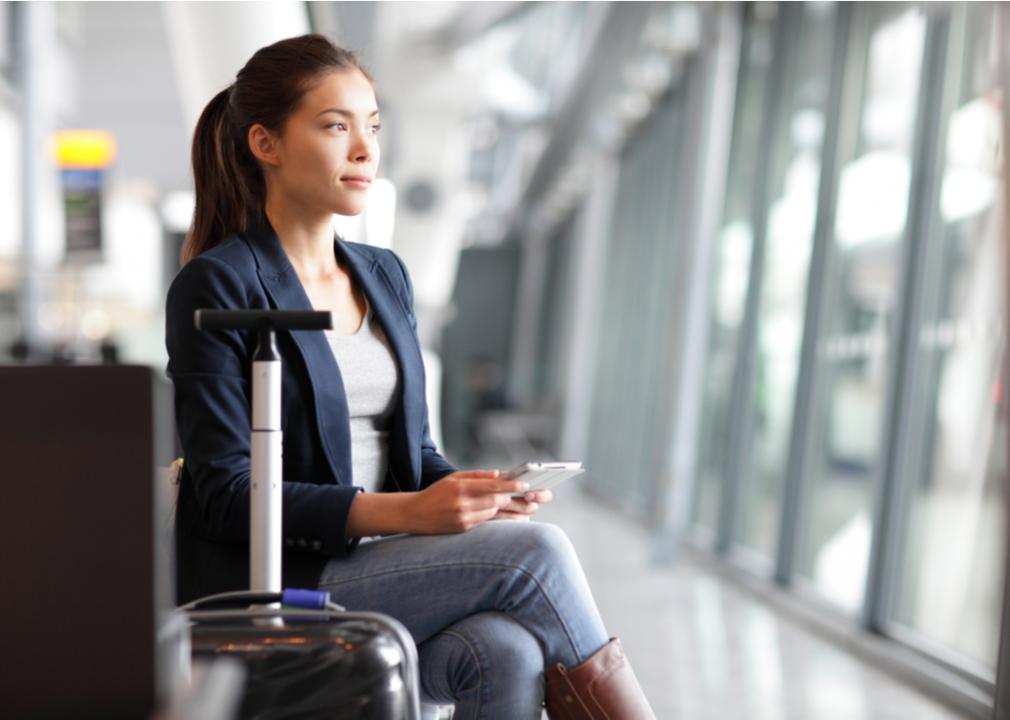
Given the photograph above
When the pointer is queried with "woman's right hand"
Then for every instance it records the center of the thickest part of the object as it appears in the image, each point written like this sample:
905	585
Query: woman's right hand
460	501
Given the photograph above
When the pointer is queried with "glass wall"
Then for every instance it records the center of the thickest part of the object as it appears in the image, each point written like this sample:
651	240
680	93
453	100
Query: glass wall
793	181
876	159
851	436
732	265
950	583
864	281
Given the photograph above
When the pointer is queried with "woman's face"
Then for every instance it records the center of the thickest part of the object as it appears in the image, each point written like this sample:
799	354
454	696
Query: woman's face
328	152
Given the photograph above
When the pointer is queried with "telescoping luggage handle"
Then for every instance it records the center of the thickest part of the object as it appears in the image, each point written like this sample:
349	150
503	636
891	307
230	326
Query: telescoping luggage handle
265	497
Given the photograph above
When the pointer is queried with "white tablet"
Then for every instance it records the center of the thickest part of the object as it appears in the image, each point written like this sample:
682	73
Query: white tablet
543	475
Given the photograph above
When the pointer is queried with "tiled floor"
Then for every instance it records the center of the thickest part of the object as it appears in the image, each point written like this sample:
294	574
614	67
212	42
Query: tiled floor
706	650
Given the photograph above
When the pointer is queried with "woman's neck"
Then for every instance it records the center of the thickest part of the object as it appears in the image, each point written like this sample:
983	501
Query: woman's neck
307	240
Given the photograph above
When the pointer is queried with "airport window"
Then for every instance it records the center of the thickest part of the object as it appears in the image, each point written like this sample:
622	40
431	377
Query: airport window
789	216
732	262
866	146
950	588
862	302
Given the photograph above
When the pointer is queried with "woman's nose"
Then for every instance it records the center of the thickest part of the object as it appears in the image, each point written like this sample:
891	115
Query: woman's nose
361	150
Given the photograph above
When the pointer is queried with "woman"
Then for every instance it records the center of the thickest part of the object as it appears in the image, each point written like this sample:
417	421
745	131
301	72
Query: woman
293	140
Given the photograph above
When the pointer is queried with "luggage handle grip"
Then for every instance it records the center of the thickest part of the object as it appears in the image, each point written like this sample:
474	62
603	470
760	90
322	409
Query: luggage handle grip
291	597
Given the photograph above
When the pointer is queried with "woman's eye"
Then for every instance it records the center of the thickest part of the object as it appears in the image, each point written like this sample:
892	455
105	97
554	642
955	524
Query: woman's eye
342	126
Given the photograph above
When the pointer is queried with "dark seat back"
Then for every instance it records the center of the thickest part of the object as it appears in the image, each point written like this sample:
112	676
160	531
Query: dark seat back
83	566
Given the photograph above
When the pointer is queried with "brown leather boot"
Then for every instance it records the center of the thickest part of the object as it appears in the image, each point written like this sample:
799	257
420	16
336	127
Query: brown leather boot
603	687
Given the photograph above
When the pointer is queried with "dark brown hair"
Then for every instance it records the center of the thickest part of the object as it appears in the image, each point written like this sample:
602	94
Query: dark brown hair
230	189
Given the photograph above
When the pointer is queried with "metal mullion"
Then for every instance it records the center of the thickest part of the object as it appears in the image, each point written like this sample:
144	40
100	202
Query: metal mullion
1001	706
644	263
847	70
901	410
740	89
925	371
779	152
618	291
657	330
631	323
675	123
710	92
741	394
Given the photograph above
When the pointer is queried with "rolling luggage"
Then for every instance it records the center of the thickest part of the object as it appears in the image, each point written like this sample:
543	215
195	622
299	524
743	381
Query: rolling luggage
303	656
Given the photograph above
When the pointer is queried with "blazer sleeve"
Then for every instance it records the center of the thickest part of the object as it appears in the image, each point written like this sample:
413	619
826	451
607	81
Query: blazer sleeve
433	465
210	371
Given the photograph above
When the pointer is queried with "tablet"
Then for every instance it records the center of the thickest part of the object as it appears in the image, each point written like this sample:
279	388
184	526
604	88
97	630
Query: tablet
543	475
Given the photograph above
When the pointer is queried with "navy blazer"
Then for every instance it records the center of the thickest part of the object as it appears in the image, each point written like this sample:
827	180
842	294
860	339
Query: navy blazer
211	375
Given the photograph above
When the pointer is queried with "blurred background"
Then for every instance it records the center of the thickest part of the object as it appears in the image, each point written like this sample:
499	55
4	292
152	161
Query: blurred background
746	261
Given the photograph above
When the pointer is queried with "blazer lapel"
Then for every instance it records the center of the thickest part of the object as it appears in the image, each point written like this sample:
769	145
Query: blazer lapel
286	292
382	294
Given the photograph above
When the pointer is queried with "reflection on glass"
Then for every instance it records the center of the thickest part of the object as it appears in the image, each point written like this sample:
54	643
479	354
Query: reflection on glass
790	225
732	261
870	221
951	569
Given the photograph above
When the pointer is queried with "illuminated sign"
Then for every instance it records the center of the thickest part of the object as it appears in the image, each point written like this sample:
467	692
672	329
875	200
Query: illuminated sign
82	155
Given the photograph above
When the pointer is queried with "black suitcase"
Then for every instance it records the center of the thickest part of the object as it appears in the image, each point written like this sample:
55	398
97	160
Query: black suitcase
303	656
301	663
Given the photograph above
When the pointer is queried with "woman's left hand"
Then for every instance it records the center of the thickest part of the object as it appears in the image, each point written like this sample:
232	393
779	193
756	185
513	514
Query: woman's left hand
523	508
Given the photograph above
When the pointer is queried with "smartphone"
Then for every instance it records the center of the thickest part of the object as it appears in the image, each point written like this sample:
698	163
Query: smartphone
544	475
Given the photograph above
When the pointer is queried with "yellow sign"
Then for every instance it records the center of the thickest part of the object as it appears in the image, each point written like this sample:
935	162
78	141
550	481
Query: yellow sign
84	148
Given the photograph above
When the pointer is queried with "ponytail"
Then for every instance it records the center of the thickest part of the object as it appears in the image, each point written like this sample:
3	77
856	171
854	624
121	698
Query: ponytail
229	184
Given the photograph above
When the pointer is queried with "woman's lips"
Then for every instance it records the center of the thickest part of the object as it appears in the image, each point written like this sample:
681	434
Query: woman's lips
360	182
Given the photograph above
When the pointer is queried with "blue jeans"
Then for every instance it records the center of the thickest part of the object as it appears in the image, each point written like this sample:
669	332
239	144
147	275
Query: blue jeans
489	609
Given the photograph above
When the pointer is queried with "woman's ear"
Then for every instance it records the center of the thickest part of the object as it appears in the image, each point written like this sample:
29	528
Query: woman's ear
263	144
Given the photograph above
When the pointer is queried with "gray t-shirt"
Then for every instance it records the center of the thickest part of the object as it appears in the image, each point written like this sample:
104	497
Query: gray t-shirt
372	383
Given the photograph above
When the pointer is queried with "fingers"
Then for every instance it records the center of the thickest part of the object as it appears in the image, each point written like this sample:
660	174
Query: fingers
476	483
482	508
539	496
482	503
486	482
489	486
512	516
477	473
477	517
520	507
483	495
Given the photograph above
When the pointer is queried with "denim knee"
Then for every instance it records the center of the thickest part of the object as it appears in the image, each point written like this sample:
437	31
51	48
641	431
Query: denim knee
547	547
511	649
498	647
488	658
